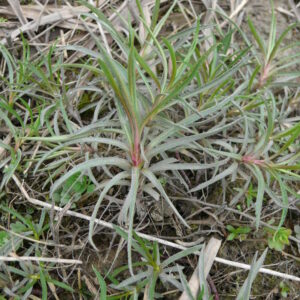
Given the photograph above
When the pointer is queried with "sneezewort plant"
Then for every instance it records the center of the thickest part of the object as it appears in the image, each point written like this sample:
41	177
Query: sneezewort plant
150	80
274	66
143	99
265	151
264	159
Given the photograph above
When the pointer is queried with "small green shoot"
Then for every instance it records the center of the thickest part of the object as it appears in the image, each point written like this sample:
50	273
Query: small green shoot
278	239
237	233
4	237
284	289
250	195
74	187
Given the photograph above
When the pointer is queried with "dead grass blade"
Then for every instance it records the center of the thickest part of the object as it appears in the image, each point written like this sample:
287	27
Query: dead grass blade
58	16
210	253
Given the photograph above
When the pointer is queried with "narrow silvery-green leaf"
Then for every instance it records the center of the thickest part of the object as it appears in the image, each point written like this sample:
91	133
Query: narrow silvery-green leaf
9	124
97	162
260	191
218	80
127	212
186	140
164	166
216	178
245	291
272	34
180	255
284	196
111	142
9	62
133	279
185	284
190	52
155	14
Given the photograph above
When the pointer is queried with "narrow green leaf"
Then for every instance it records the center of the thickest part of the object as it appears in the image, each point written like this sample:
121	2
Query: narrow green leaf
132	77
279	41
173	60
216	178
180	255
155	14
61	285
103	289
284	197
272	34
260	192
136	245
43	284
148	70
163	166
257	37
25	221
153	281
245	291
127	212
185	284
190	52
162	54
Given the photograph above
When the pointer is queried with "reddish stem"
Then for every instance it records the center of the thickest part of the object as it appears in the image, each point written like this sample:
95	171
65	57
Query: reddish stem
252	160
264	75
135	156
